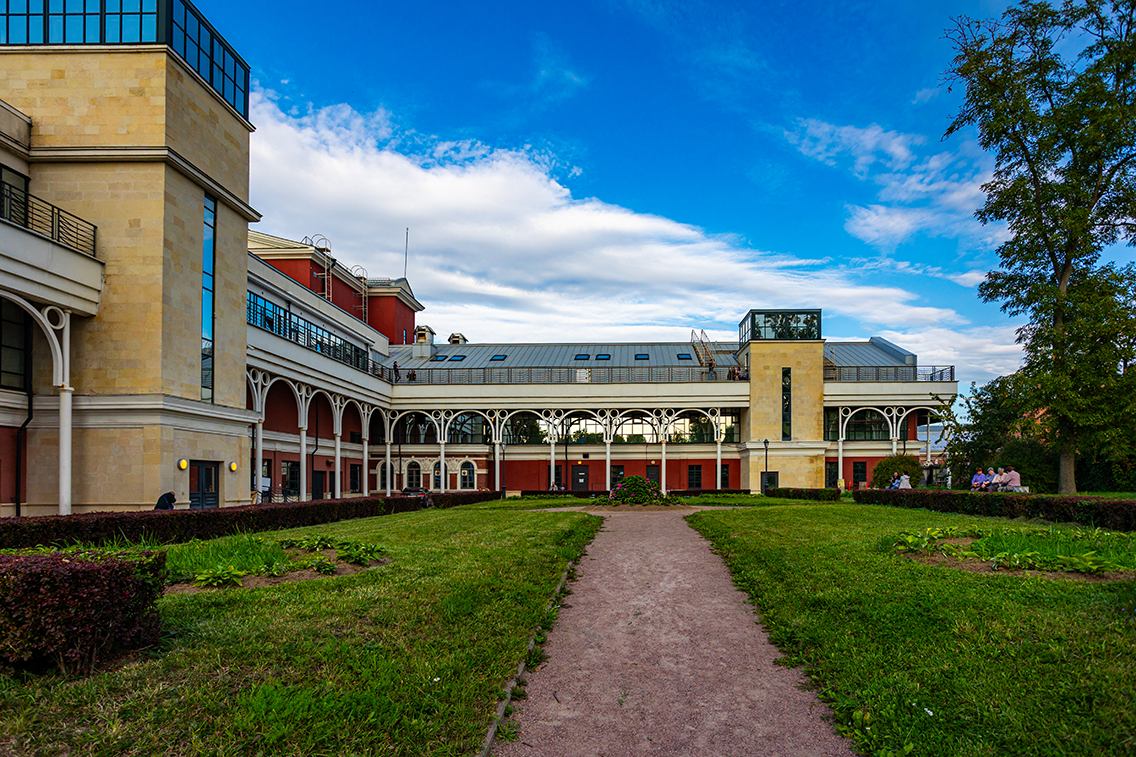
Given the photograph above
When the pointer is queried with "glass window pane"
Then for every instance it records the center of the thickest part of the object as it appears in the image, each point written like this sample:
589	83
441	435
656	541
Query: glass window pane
112	28
130	29
131	6
18	6
112	6
206	314
73	29
17	31
150	6
55	6
149	28
74	6
93	29
54	30
93	6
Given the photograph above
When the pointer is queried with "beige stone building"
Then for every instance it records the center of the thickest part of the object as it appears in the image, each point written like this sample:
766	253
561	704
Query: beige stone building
152	343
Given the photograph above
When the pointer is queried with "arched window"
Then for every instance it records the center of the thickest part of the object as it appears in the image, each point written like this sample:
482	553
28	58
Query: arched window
413	475
383	468
468	476
438	476
867	426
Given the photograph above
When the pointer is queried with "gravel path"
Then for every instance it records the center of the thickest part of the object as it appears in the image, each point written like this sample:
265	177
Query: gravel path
656	653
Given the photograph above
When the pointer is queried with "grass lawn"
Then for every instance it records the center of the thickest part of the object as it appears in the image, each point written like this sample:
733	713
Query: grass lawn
929	658
404	659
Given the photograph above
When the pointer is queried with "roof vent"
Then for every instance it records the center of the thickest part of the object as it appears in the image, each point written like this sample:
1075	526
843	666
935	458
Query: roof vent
423	342
457	338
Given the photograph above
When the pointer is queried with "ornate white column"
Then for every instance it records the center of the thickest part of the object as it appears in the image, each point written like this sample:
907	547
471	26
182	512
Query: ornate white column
607	462
551	461
366	468
389	473
338	468
65	391
442	466
303	496
663	476
718	467
497	464
259	457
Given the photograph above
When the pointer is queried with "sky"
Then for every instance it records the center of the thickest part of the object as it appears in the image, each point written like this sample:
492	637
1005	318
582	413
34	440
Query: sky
630	170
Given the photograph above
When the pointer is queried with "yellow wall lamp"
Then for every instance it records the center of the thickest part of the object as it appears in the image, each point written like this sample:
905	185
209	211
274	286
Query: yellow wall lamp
183	464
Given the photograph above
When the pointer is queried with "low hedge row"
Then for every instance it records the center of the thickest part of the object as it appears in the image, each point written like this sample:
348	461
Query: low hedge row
76	608
1113	514
671	493
174	526
820	495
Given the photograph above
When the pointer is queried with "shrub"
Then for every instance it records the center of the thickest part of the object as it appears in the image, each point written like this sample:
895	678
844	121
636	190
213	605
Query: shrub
74	608
1113	514
176	526
635	490
820	495
901	464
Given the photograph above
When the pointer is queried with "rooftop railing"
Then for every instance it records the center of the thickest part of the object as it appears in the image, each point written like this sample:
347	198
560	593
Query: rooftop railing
887	373
26	210
639	375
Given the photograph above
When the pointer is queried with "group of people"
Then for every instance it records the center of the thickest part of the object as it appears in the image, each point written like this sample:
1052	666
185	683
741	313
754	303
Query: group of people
737	373
411	376
899	481
1005	480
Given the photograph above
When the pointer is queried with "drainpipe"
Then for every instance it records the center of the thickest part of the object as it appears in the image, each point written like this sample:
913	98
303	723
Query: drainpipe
20	434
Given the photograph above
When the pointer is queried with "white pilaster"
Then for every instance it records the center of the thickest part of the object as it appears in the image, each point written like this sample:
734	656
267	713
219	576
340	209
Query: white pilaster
338	468
303	464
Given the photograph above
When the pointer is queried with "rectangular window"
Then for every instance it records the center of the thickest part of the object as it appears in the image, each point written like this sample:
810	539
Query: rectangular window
208	248
497	357
356	477
642	356
603	357
457	358
557	479
694	477
831	475
13	347
859	472
725	475
831	424
582	357
786	404
290	477
684	356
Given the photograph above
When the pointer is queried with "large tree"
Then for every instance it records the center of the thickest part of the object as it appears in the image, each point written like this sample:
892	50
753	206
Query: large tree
1052	94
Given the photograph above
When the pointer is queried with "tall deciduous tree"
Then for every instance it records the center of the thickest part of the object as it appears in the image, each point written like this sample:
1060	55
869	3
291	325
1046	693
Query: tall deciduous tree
1052	93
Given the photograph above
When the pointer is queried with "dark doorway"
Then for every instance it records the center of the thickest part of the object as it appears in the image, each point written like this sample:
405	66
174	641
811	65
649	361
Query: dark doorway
203	484
579	478
653	473
319	478
768	480
859	472
831	475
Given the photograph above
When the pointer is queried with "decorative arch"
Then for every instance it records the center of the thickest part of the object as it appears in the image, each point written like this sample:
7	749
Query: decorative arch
450	420
847	413
60	363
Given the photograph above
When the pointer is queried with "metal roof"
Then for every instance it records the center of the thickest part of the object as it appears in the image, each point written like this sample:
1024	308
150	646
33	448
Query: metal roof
860	353
553	356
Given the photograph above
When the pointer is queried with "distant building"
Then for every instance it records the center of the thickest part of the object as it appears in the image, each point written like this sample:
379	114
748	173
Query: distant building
152	343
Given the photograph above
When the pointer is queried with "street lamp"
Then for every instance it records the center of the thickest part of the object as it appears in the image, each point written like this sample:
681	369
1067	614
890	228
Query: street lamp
765	478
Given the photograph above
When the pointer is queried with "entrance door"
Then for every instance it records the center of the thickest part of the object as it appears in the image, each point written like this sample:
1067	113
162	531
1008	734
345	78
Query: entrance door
653	473
203	484
319	477
831	475
579	478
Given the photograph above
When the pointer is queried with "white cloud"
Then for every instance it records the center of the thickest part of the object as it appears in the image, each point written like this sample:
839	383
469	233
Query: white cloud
501	251
968	279
979	353
924	95
827	142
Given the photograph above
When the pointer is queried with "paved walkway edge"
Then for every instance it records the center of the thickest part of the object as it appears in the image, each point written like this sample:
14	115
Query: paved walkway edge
491	733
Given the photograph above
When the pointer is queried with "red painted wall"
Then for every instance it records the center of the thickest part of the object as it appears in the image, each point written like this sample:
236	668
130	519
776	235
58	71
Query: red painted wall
390	317
846	474
9	465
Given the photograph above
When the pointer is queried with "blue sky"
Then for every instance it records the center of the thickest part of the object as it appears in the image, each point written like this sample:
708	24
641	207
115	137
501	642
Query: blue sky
624	170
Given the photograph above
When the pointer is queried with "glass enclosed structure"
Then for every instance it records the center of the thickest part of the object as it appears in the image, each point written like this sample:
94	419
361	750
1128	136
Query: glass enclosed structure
176	23
760	325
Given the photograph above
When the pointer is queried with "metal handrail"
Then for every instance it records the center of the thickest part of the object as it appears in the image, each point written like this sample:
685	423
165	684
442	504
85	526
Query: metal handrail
638	375
38	215
888	373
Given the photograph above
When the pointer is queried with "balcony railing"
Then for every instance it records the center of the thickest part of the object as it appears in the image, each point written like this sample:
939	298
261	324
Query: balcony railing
32	213
641	375
888	373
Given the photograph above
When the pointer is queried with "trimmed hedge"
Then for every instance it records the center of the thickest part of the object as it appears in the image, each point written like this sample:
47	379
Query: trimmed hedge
704	492
77	607
175	526
820	495
1113	514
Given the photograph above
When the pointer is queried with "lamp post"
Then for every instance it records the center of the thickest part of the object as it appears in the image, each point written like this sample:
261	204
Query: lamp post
765	477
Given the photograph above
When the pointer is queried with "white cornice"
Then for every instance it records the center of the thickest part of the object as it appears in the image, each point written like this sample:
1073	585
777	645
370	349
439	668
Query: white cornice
136	410
144	154
794	448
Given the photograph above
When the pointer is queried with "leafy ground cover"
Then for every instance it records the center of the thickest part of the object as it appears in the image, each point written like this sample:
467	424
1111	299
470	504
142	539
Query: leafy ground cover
405	659
550	501
930	660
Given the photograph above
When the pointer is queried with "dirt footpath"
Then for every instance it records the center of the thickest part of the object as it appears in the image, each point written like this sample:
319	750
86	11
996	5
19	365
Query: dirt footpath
656	653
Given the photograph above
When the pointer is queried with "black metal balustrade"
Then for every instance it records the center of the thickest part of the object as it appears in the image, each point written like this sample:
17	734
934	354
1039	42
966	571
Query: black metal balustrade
640	375
32	213
888	373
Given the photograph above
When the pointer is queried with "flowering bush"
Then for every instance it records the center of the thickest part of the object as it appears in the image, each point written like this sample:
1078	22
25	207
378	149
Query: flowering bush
635	490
